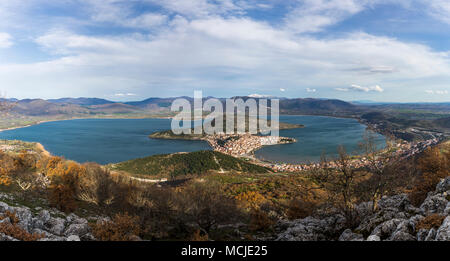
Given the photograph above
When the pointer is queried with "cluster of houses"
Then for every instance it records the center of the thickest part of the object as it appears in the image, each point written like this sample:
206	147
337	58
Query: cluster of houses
240	145
243	145
403	150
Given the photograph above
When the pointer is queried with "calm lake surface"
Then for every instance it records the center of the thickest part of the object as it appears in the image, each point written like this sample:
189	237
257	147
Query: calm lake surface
320	135
103	140
115	140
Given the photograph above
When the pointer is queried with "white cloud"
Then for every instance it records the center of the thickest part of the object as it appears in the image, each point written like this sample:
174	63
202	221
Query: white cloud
358	88
146	20
215	46
310	90
198	8
119	12
314	15
5	40
439	92
257	54
282	89
255	95
439	9
124	94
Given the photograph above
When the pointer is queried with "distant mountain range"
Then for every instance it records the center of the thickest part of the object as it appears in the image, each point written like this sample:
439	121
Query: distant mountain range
90	107
81	101
93	106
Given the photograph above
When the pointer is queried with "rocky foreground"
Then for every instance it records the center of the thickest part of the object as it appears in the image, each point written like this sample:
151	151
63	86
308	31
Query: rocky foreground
50	225
396	219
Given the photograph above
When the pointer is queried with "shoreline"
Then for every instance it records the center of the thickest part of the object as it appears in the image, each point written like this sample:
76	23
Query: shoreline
41	147
84	118
144	117
406	150
250	154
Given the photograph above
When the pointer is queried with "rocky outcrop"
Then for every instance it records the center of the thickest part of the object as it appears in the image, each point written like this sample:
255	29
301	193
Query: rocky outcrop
312	228
53	225
395	219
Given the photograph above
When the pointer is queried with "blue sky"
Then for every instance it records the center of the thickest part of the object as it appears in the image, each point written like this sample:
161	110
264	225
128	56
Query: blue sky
381	50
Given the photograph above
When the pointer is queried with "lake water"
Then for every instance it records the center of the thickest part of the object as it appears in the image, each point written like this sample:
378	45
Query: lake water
103	140
320	135
114	140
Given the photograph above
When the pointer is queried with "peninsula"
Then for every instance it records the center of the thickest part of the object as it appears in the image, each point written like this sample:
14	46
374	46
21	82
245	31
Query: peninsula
238	145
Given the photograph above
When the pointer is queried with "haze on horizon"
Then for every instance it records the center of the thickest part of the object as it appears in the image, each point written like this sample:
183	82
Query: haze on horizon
380	50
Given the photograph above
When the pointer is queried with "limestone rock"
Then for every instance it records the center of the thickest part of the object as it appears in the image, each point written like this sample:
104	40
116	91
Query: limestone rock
431	235
443	185
443	233
77	229
348	235
373	238
56	226
73	238
434	204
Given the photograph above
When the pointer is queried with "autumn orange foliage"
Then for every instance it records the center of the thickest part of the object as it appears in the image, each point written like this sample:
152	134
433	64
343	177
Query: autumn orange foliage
429	222
64	186
12	228
123	227
250	199
434	166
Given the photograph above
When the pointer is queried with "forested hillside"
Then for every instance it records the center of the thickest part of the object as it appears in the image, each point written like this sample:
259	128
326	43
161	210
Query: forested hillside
194	163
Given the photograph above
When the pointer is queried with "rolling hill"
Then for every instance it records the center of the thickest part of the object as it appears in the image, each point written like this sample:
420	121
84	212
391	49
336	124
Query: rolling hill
443	122
180	164
39	107
81	101
318	107
88	106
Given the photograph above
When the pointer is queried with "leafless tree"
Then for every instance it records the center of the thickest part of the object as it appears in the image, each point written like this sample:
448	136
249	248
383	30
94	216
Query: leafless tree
384	167
340	179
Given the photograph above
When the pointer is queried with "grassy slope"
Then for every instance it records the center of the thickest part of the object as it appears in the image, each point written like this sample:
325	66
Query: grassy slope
194	163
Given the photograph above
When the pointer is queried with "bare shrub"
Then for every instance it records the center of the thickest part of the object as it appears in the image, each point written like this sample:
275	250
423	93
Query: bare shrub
434	166
95	186
429	222
261	221
12	228
300	208
207	206
341	183
123	227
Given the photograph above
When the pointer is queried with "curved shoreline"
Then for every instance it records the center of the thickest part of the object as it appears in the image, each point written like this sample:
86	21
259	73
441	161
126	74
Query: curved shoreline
83	118
250	154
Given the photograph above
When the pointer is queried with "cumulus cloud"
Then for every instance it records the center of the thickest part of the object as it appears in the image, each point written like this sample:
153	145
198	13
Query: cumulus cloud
215	45
254	53
310	90
282	89
257	54
5	40
358	88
